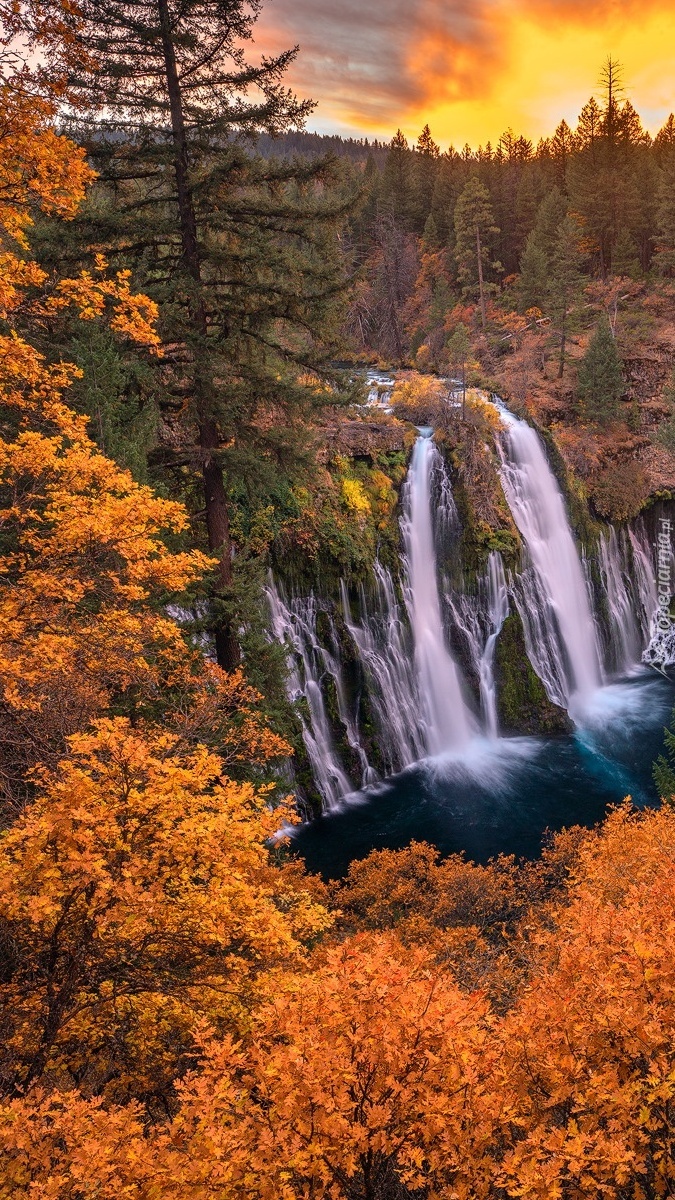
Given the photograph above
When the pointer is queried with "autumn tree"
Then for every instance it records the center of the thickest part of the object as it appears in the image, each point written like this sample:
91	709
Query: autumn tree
137	893
474	229
84	564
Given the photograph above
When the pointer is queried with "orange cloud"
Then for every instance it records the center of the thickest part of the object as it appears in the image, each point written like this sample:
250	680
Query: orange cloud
470	67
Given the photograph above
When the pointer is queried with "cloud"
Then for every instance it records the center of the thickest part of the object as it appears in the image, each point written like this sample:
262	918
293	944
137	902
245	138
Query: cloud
470	67
368	62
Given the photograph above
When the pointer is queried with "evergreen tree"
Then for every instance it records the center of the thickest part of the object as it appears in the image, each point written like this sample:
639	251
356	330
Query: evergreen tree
600	379
540	248
474	230
664	142
534	275
664	256
625	258
425	170
563	144
241	251
589	127
447	186
397	179
565	284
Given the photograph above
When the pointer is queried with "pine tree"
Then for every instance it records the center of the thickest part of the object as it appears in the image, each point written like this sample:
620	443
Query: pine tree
241	250
397	179
600	379
474	229
565	283
540	248
425	170
664	256
589	127
534	275
664	142
563	144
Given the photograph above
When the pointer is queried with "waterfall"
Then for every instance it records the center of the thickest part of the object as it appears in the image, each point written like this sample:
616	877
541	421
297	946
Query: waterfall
478	620
552	596
447	720
406	637
385	650
618	555
414	686
294	624
498	611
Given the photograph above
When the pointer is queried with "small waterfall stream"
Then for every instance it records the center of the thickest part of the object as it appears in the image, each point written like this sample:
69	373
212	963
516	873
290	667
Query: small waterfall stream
384	646
447	719
555	605
294	624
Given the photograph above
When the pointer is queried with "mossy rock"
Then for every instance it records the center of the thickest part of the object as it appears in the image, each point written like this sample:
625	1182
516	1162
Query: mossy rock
522	704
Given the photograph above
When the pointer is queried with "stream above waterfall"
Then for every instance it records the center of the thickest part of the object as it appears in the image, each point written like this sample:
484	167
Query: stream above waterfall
406	689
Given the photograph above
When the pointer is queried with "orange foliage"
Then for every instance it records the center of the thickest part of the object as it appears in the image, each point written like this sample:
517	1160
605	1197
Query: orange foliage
372	1075
82	552
223	711
84	561
137	895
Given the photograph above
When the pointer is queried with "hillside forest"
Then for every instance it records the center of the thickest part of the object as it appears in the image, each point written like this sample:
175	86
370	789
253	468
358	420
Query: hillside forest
189	288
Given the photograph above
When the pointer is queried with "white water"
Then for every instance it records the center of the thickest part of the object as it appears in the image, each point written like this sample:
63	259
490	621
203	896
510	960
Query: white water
294	624
553	600
628	580
446	718
498	611
385	650
479	619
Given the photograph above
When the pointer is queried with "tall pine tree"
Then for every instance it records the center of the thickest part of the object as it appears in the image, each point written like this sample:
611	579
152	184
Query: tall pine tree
242	252
474	231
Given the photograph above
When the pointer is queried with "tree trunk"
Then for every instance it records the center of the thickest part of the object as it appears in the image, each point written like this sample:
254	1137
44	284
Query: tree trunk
480	277
218	528
215	495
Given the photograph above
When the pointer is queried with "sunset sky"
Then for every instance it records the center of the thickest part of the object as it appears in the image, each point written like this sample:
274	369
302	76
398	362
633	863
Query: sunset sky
471	68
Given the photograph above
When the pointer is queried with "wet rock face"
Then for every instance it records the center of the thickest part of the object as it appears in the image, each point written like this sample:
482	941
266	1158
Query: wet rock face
362	439
522	704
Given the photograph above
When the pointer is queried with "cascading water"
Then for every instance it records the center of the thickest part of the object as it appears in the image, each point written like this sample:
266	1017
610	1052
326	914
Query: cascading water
630	596
415	690
552	596
385	650
404	682
294	624
498	611
478	620
446	718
